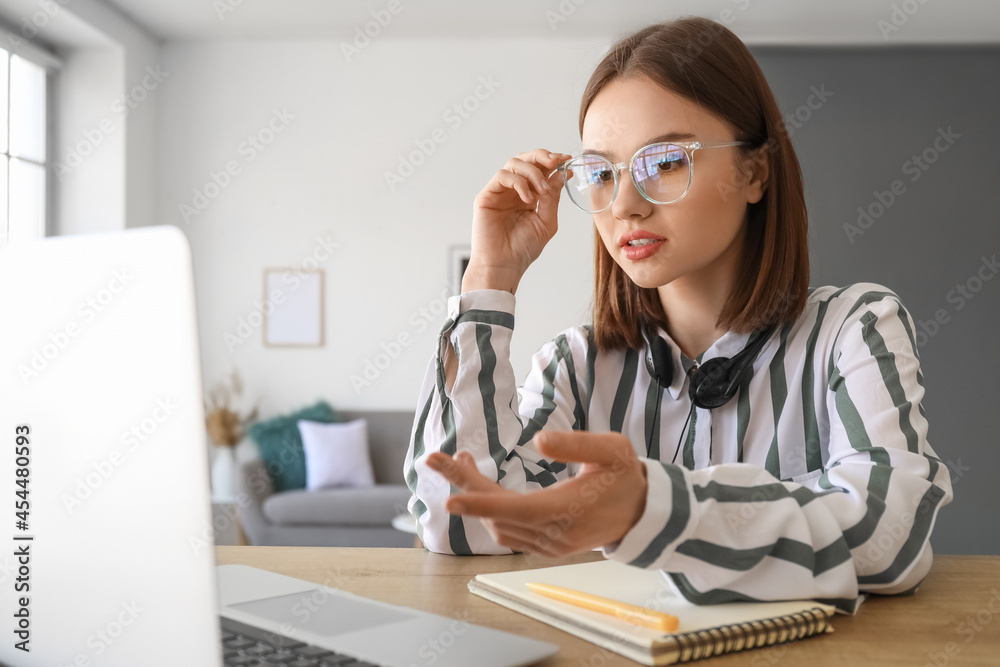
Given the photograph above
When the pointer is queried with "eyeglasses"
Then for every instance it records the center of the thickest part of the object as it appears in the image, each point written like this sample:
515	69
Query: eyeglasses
661	172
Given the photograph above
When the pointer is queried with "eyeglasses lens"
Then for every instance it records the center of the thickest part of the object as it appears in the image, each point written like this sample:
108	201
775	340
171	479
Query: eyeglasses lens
662	172
590	182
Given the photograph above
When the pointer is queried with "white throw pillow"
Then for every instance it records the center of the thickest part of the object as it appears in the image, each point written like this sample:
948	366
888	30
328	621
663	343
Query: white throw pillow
336	454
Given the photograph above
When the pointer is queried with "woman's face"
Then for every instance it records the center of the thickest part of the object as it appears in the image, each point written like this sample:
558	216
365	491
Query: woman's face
696	237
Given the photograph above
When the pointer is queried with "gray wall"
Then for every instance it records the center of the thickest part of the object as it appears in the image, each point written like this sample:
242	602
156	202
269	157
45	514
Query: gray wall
887	106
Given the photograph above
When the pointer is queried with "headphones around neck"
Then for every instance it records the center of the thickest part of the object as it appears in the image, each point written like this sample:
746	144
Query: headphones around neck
714	382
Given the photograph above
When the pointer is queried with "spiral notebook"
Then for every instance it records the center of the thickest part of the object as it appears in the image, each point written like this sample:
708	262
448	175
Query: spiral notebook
705	630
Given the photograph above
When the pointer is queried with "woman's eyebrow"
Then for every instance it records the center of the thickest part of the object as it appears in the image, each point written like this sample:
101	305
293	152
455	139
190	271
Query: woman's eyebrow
669	136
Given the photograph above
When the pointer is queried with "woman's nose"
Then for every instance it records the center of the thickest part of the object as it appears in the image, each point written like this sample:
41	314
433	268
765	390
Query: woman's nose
629	202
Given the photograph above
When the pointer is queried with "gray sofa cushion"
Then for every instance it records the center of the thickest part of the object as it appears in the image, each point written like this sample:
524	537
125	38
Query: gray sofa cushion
348	506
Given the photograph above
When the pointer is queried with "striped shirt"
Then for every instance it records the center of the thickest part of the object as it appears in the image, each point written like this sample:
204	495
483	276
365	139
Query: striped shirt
815	481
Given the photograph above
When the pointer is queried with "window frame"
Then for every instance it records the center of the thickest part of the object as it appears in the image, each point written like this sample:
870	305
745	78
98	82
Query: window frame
17	45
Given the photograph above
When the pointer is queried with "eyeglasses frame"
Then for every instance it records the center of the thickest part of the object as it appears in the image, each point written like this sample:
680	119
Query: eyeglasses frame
689	147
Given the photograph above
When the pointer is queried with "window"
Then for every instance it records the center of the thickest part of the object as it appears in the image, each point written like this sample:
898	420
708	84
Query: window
23	164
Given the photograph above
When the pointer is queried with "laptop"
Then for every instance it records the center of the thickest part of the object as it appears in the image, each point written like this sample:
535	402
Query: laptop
107	555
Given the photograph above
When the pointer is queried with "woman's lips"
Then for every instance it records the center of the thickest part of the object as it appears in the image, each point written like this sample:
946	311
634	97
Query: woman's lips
643	251
637	252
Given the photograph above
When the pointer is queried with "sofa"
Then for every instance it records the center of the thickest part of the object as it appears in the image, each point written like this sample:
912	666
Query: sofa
335	517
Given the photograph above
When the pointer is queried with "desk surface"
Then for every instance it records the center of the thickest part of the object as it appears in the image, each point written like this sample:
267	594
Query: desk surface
954	619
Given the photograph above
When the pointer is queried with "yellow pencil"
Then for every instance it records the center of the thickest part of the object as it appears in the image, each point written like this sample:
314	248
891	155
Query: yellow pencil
630	613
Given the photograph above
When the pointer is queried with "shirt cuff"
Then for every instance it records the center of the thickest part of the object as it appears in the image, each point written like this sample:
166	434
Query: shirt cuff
661	525
485	306
480	299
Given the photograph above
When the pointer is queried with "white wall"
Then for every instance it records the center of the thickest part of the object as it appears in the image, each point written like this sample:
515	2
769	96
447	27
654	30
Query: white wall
323	176
137	139
89	154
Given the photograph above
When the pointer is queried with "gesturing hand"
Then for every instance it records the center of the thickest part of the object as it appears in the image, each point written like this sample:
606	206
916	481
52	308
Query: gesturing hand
594	508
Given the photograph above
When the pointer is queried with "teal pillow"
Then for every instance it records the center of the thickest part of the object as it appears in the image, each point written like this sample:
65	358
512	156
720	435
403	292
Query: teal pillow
280	444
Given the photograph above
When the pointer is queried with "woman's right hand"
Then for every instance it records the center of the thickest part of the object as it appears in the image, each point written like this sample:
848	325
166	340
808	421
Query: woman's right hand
513	218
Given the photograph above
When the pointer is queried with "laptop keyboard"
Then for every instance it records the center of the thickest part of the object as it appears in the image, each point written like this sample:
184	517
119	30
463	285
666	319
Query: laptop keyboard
248	646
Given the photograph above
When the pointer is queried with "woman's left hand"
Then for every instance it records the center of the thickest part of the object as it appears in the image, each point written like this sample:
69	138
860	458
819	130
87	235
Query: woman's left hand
596	507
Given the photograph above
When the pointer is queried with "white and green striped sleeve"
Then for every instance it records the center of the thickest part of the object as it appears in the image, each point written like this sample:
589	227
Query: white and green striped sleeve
861	523
484	414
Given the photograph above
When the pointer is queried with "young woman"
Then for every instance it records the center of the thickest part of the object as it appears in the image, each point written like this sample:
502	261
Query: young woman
752	437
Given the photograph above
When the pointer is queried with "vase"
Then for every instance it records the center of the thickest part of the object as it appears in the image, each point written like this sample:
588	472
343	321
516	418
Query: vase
224	475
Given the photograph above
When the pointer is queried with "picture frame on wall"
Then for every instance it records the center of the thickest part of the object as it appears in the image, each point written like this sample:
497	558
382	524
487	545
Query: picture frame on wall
293	316
458	262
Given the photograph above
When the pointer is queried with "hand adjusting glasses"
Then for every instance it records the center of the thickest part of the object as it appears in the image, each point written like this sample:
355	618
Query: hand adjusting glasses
662	173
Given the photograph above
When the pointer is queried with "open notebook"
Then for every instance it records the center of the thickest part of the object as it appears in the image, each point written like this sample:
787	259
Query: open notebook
704	630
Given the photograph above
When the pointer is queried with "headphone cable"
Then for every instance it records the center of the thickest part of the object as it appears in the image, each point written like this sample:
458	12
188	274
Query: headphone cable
654	426
681	436
656	415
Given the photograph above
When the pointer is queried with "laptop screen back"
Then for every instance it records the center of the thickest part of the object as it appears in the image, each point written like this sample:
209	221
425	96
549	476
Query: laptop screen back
102	419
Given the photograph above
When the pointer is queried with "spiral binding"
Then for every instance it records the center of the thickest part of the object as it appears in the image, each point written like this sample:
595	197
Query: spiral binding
741	636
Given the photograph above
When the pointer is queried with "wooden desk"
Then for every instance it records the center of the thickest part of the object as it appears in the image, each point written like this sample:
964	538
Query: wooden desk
913	631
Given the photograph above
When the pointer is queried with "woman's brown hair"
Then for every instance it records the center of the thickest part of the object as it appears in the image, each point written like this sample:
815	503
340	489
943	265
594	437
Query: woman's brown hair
703	61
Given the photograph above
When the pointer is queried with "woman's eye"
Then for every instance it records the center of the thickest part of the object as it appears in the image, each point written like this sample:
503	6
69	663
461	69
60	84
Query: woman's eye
602	176
666	165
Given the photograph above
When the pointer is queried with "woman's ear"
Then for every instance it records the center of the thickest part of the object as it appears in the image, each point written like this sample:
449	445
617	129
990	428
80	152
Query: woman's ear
759	169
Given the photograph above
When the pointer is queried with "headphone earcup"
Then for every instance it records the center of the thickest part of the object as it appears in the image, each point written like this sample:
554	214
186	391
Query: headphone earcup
663	364
710	385
717	380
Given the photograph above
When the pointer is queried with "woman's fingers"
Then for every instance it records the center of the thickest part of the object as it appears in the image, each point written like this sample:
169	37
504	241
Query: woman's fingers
520	184
535	539
462	472
514	507
570	516
524	509
548	207
544	157
536	168
546	537
543	535
586	447
532	177
536	547
529	171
